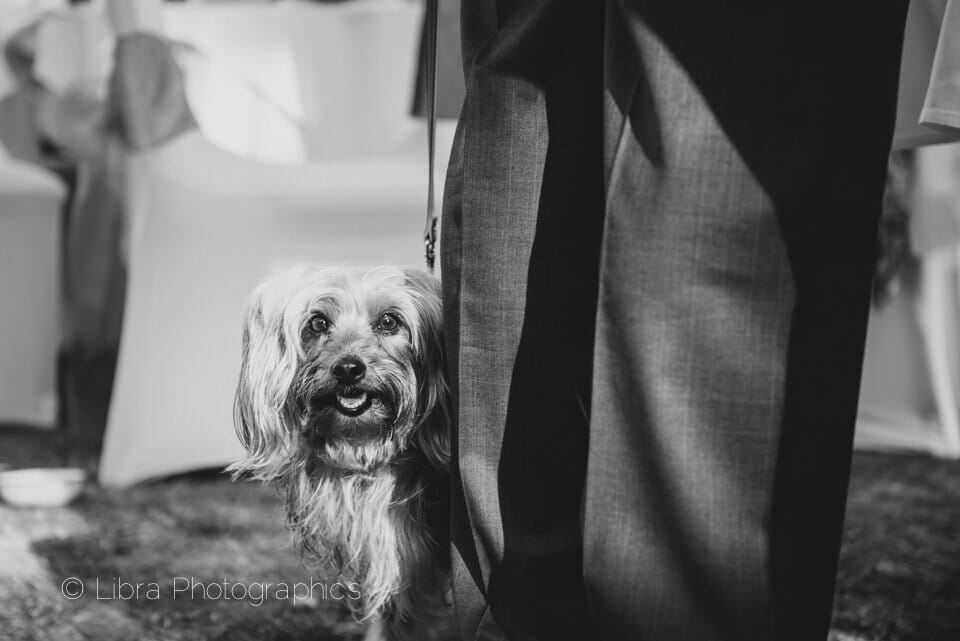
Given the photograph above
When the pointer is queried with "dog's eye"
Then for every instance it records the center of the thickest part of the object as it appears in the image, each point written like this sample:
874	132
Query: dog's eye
319	324
388	323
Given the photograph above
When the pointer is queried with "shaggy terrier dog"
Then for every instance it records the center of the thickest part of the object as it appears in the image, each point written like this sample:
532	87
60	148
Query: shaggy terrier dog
342	405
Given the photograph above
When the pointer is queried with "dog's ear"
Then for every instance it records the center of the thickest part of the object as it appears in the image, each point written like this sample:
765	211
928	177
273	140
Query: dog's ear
268	366
433	435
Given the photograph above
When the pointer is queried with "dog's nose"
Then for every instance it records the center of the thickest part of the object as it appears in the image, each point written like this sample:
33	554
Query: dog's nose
348	370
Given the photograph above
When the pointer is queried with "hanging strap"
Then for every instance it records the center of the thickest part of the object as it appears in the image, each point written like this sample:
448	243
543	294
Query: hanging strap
431	25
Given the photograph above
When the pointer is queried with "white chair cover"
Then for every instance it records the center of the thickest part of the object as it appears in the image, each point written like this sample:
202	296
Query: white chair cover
14	15
30	210
910	395
242	78
206	226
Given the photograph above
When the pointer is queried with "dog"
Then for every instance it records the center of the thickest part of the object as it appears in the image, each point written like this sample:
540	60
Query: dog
343	406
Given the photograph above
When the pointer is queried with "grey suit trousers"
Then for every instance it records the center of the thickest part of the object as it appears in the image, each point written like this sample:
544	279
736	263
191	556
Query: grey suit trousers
657	240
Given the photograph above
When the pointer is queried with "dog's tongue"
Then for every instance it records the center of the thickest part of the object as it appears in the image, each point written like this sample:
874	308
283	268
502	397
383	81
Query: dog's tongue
352	402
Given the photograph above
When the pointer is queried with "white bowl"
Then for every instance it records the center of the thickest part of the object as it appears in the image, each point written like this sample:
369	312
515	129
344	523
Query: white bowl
41	487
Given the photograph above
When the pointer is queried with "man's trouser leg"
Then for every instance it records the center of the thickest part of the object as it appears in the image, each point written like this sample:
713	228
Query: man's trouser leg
742	205
742	156
520	251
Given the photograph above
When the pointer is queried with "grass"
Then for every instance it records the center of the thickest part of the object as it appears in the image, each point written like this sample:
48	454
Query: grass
199	527
899	576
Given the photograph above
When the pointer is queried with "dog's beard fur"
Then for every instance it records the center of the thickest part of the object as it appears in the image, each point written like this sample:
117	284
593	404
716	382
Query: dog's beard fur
365	490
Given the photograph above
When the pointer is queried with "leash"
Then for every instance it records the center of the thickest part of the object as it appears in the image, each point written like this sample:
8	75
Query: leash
431	26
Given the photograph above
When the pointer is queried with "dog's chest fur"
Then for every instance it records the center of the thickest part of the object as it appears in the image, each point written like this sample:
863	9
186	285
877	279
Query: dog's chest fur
386	531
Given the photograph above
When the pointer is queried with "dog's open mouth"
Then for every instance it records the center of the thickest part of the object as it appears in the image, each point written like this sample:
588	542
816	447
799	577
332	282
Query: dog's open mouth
352	401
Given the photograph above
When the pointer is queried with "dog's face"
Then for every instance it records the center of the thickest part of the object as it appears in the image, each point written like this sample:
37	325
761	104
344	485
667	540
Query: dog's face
342	369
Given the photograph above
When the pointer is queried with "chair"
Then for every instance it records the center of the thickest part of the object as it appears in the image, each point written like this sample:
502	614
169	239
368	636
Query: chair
910	395
31	200
205	225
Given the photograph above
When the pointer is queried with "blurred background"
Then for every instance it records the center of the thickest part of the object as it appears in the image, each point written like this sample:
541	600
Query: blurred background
159	159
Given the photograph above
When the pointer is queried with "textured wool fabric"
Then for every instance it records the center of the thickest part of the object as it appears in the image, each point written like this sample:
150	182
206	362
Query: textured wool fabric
657	247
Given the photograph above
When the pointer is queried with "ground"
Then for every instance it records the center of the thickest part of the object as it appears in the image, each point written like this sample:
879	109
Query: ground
200	527
899	574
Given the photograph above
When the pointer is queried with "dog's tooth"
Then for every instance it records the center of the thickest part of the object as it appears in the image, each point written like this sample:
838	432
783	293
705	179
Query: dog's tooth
352	403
